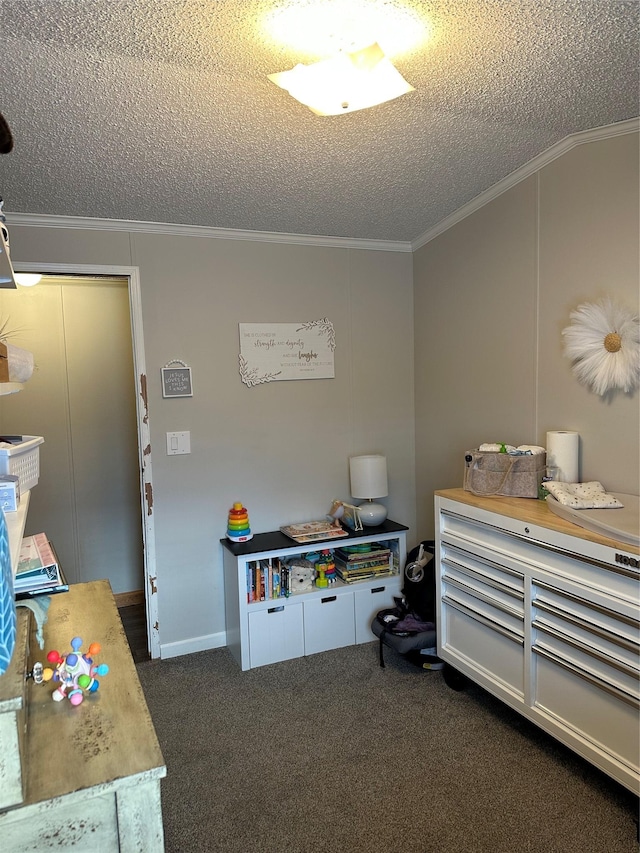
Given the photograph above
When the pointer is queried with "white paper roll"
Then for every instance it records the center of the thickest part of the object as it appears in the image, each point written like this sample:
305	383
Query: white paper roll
563	448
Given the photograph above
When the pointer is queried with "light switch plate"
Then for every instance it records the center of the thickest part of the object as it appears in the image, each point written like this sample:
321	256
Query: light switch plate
178	443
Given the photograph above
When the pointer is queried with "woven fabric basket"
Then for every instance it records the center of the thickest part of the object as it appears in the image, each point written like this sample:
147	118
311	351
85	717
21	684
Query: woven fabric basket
488	473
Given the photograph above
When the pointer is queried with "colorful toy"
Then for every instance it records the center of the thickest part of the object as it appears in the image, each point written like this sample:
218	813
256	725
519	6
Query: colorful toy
238	529
325	569
76	673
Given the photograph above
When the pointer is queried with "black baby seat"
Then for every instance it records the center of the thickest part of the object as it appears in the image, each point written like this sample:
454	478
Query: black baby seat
409	627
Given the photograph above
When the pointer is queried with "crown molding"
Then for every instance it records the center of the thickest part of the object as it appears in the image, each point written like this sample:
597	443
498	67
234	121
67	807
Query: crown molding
38	220
558	150
42	220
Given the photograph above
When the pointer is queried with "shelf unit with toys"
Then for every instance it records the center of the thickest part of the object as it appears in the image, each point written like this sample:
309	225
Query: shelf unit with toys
270	619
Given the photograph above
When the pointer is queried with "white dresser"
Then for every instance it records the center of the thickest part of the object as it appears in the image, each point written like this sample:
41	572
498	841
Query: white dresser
544	615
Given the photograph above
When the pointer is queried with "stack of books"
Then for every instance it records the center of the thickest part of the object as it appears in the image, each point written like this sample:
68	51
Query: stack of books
360	562
38	571
266	579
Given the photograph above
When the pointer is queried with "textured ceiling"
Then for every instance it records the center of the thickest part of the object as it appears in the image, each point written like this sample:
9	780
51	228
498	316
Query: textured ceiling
161	111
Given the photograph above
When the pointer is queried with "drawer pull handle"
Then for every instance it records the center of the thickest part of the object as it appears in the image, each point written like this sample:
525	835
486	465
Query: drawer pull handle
629	698
378	589
458	553
276	609
606	611
575	643
484	620
329	598
484	579
629	644
481	596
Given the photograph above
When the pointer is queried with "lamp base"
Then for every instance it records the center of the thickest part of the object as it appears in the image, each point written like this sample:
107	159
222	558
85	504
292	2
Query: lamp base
372	514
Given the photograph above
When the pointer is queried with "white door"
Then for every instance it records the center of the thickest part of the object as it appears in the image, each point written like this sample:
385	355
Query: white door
81	399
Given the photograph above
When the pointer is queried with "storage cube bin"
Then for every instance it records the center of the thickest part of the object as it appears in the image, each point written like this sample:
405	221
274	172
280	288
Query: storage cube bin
23	460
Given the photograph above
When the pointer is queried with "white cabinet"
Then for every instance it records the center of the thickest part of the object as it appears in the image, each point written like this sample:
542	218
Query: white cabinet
544	615
305	623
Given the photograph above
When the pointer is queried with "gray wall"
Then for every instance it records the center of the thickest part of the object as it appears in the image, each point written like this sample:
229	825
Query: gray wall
281	448
492	295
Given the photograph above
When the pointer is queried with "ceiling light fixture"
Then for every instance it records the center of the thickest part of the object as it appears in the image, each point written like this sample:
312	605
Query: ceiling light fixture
344	83
322	28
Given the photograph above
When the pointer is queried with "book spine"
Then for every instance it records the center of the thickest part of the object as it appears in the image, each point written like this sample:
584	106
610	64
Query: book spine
263	574
251	582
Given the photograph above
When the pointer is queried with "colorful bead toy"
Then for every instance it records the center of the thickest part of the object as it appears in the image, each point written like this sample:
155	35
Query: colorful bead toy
238	529
75	672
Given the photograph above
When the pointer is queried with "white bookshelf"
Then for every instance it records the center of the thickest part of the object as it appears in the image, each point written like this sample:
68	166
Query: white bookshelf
278	629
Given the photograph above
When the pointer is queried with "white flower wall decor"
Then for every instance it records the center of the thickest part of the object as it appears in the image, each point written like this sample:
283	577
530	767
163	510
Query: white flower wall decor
603	342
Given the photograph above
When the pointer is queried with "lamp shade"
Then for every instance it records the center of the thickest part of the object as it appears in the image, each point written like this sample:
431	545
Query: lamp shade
368	476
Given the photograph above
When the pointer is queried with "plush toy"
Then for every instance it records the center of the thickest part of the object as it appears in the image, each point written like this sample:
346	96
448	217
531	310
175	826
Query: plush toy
302	576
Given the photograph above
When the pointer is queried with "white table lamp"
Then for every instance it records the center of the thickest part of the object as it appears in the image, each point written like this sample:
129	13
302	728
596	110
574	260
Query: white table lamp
369	480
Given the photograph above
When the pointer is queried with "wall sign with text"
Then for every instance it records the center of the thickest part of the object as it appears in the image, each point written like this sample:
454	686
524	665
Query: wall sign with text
176	380
274	352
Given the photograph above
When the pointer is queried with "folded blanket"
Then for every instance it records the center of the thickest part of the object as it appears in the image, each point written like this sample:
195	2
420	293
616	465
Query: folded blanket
583	495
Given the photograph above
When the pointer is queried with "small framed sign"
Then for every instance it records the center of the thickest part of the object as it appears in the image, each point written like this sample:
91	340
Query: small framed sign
176	380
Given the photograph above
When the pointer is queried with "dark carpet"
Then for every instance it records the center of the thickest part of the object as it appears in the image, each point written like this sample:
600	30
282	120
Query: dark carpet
332	754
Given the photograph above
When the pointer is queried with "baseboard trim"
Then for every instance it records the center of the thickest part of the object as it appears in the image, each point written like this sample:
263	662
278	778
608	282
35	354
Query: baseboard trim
129	599
194	644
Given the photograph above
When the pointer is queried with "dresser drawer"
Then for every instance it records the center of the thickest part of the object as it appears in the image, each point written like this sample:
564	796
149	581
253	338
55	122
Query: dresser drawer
483	641
276	633
329	621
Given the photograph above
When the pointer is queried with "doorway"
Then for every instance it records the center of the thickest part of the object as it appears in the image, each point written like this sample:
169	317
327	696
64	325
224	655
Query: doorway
87	397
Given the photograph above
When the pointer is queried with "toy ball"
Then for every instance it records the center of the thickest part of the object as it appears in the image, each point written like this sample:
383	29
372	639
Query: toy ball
75	674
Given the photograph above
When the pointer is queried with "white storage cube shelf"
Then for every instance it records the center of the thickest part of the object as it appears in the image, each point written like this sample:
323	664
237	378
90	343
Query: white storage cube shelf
22	460
308	622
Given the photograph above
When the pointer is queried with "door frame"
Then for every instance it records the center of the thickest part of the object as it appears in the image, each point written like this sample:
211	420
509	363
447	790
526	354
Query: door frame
132	274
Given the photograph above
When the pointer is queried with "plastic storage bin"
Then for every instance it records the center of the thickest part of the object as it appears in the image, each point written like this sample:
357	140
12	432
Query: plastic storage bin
23	460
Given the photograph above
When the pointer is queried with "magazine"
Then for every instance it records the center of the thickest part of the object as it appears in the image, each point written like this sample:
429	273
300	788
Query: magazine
38	571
